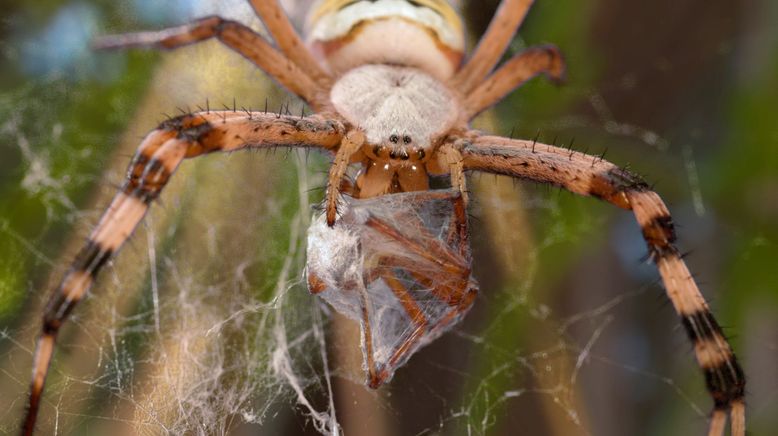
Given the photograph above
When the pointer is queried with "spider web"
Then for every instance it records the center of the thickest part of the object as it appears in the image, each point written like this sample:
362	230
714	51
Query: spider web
204	325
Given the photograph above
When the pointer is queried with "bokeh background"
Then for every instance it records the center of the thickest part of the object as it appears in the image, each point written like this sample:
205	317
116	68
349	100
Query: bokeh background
202	325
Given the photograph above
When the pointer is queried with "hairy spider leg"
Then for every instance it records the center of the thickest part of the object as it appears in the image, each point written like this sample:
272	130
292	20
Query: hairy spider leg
239	38
529	63
154	163
504	24
289	41
592	176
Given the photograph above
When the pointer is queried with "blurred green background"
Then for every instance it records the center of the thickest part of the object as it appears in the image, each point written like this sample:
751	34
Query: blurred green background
190	330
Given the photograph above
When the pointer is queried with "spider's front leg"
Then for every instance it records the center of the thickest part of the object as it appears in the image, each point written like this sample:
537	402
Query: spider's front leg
592	176
346	154
152	166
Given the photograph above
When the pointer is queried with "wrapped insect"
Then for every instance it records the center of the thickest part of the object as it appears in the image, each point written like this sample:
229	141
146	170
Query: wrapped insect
398	264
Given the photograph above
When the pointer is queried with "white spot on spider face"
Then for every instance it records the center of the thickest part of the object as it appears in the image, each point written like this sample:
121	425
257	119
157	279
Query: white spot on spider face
386	167
361	267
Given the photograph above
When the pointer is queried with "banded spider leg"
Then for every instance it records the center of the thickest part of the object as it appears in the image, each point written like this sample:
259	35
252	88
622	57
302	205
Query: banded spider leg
592	176
188	136
154	163
310	85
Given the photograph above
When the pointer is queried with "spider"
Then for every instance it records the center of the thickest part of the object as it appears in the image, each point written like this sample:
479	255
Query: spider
394	97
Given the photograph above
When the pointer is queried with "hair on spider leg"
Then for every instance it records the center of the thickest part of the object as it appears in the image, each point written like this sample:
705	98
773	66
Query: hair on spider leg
535	140
684	255
570	148
602	156
284	109
315	189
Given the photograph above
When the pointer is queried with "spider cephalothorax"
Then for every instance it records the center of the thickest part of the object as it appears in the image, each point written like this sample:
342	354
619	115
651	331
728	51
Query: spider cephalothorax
392	96
403	113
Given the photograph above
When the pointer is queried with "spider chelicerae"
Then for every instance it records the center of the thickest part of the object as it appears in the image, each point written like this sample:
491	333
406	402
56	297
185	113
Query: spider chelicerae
399	111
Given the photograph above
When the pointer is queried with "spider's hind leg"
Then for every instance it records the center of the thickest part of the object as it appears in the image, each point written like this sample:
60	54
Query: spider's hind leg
492	45
236	36
531	62
288	40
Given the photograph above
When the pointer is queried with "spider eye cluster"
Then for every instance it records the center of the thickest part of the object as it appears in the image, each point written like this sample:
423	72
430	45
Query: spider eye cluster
383	152
395	139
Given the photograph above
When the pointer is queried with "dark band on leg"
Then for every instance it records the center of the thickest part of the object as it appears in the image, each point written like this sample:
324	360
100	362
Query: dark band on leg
726	383
91	258
701	326
659	234
146	178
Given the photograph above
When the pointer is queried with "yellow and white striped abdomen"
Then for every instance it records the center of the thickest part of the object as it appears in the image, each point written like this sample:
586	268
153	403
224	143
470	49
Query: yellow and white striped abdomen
426	34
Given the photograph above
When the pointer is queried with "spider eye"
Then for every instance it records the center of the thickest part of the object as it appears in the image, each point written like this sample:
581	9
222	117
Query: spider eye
404	155
393	154
394	139
407	139
421	153
378	149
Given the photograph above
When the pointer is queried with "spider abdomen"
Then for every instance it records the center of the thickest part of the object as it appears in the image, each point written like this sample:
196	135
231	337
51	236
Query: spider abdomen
424	34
